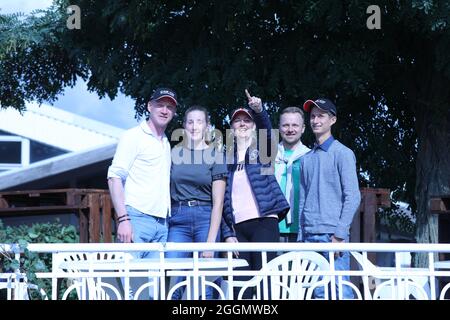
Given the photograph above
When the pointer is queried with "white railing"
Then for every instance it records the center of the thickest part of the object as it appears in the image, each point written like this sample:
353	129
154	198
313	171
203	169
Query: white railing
109	270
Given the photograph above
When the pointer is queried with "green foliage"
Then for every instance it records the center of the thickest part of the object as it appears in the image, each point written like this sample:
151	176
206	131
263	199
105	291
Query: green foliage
32	262
50	232
397	221
33	65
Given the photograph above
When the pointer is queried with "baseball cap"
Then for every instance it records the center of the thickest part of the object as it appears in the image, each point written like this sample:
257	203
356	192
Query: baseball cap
321	103
241	110
164	93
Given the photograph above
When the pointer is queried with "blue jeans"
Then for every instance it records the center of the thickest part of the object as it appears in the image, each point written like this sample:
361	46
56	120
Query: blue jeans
146	229
189	224
340	263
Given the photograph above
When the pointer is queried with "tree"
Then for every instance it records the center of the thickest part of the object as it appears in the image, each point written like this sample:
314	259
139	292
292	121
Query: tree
390	85
33	64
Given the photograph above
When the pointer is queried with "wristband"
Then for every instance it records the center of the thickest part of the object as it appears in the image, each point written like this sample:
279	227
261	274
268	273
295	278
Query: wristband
119	222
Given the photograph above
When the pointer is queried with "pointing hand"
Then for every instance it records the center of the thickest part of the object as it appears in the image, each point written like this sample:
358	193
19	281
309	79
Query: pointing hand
254	103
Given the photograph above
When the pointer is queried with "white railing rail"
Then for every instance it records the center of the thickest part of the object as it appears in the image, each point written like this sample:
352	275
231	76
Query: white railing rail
288	280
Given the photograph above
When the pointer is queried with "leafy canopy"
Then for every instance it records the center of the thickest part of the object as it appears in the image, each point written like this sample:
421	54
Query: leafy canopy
284	51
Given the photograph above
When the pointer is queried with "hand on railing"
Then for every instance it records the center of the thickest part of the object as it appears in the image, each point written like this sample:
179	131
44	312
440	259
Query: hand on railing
207	254
233	240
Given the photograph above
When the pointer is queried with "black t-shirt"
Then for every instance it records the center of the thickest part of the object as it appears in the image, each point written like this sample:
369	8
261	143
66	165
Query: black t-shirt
193	172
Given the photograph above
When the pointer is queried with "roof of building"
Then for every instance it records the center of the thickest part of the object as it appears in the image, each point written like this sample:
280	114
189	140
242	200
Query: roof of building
87	141
58	128
56	165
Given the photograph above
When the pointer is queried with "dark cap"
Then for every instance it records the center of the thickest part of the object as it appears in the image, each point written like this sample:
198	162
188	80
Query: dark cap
164	93
321	103
241	110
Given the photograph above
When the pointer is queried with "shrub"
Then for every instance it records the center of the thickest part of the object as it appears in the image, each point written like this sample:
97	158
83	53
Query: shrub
32	262
397	220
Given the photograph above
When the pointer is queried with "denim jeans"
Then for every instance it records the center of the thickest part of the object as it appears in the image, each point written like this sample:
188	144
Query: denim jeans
189	224
146	229
340	263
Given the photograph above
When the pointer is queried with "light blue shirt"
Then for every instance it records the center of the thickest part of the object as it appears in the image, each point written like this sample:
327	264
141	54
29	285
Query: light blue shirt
329	191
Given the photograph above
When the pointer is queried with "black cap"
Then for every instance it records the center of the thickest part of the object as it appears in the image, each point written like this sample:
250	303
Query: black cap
164	93
321	103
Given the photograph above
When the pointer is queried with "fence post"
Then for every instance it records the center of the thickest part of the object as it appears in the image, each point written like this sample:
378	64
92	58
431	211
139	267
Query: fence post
363	228
440	206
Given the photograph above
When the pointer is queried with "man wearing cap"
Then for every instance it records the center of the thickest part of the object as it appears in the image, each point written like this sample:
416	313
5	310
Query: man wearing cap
287	167
139	176
329	191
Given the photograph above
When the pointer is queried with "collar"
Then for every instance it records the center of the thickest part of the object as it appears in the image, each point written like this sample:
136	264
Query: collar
325	145
299	151
144	126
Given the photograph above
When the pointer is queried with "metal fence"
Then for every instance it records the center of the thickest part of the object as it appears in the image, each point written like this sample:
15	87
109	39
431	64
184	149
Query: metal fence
97	271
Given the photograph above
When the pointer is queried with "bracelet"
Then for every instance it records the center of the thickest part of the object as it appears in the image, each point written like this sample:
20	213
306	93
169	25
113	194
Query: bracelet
119	222
125	217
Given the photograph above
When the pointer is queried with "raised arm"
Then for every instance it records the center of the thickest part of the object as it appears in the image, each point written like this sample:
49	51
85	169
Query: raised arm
262	121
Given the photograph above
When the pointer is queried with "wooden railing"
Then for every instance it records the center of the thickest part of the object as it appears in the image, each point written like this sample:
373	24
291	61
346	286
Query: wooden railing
95	211
363	226
93	207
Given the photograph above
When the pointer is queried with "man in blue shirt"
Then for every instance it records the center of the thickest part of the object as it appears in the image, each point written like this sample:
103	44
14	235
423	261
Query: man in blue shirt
329	191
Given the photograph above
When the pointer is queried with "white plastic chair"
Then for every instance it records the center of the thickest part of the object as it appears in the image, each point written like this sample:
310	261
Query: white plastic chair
292	279
17	286
92	288
388	287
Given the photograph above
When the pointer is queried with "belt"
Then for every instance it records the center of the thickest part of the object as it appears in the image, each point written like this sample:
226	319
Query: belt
191	203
